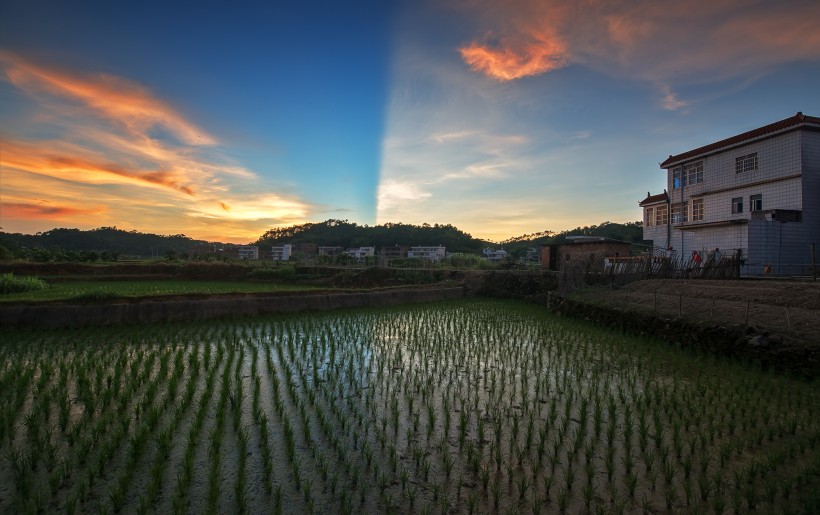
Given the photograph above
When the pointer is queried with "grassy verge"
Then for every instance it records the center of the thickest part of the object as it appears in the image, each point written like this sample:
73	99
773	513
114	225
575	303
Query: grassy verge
103	290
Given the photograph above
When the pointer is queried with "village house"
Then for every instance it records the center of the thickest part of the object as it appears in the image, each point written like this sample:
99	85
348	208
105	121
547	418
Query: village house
330	251
756	193
433	254
248	252
581	249
360	253
494	255
280	252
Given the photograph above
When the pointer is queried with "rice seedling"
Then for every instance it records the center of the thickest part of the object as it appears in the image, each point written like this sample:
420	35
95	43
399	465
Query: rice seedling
415	399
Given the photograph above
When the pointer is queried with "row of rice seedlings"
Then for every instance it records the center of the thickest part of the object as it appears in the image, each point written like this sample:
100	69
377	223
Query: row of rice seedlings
474	406
185	475
577	446
165	438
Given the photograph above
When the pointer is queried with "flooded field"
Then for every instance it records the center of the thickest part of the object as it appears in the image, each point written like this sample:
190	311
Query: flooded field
466	406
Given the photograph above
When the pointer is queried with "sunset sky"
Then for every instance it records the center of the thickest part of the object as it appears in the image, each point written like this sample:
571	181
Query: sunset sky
221	120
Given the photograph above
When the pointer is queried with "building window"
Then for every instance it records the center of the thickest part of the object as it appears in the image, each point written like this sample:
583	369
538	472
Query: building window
697	210
756	203
650	212
661	215
737	205
680	213
687	175
746	163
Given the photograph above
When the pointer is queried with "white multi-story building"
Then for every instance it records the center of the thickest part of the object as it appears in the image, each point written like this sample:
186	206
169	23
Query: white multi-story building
428	253
248	252
280	252
494	255
359	253
757	193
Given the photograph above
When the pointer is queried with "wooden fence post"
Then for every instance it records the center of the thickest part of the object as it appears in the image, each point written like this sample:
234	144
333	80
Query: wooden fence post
788	321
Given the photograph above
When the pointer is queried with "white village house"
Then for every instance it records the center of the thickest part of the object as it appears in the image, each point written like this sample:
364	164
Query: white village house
494	255
360	253
433	254
281	252
757	193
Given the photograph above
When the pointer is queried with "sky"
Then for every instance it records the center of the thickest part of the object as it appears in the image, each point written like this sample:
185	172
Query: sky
222	120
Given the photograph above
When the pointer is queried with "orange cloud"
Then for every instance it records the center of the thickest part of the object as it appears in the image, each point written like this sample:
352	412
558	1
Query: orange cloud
660	42
36	159
106	150
513	61
117	99
45	211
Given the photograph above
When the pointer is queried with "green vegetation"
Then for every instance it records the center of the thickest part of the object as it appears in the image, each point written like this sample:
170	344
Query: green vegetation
103	244
10	284
108	290
631	232
464	406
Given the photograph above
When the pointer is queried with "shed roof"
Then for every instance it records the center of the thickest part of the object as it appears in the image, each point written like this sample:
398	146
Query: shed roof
654	199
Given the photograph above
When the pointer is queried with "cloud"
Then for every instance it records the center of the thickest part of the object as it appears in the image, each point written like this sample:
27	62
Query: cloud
507	60
660	42
115	98
144	164
393	193
670	99
46	210
45	159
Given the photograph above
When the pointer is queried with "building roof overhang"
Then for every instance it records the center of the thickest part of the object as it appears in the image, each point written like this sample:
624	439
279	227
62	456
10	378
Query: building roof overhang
798	121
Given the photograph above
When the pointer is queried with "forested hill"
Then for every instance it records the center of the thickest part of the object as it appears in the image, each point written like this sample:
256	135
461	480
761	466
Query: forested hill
631	232
346	234
116	242
110	240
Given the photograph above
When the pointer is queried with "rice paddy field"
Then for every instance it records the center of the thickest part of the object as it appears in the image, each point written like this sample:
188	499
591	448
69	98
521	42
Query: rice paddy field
465	406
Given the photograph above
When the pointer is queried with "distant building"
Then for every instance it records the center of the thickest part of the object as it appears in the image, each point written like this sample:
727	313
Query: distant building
494	255
533	255
248	252
307	250
433	254
281	252
581	249
330	251
394	252
757	193
360	253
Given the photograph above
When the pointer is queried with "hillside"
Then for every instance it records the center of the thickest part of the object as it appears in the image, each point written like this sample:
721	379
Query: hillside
110	240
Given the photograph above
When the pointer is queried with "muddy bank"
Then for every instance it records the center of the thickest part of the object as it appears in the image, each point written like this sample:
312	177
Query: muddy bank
756	344
164	310
530	285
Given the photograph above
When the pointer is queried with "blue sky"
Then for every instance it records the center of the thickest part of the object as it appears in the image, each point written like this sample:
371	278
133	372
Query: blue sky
502	118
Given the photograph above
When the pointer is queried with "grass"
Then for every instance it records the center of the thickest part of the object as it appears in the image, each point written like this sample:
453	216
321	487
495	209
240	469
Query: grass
90	291
9	284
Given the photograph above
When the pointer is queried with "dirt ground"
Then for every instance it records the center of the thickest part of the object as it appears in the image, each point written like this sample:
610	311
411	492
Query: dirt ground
790	309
